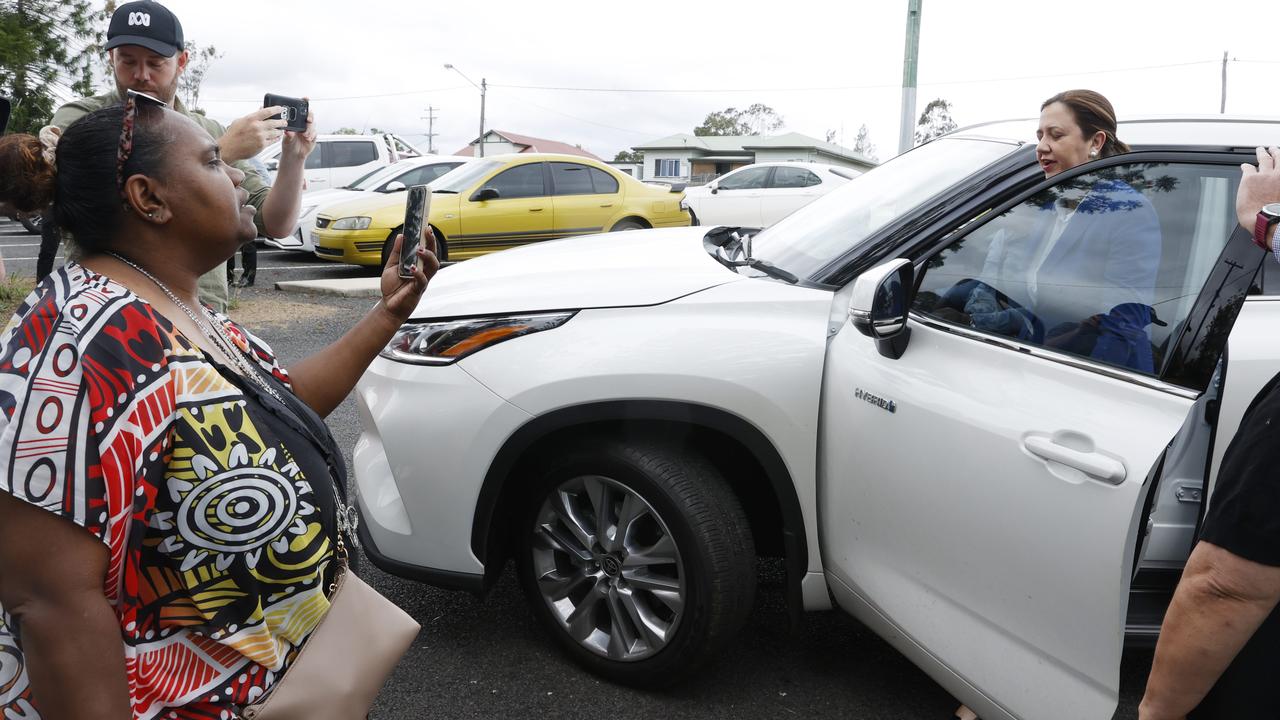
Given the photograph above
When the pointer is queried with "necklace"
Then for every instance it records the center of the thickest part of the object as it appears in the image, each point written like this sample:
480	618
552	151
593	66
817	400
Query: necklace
210	327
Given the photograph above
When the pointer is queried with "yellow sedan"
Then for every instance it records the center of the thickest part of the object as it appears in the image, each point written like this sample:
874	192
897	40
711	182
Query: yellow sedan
501	202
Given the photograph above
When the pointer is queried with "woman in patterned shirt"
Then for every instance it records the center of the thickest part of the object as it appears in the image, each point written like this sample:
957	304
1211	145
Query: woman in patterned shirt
170	496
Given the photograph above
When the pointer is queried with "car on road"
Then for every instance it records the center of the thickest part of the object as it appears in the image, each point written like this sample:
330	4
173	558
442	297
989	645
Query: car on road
337	160
501	202
759	195
635	420
389	179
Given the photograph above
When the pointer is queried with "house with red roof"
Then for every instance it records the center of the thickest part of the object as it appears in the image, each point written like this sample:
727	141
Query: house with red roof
498	142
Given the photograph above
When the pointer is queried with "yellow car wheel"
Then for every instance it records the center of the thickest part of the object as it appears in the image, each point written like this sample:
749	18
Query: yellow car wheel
628	224
442	248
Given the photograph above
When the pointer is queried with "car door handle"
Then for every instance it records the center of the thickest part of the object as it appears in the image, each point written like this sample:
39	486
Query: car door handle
606	205
535	209
1097	466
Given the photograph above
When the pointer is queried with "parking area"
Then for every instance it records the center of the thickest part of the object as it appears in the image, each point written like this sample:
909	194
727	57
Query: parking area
486	657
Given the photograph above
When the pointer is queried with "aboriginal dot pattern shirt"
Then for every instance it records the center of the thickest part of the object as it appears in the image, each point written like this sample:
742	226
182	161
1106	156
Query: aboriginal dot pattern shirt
215	501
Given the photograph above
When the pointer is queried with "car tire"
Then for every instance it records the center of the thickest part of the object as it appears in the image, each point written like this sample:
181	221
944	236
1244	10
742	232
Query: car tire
598	592
693	218
442	248
32	224
623	225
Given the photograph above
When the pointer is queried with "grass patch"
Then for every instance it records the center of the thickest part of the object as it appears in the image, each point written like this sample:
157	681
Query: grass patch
13	290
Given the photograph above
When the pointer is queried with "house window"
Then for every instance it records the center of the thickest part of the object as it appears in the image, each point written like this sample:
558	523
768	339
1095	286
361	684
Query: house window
666	168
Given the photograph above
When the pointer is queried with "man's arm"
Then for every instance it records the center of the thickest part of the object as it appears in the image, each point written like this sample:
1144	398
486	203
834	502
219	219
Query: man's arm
1220	602
71	642
279	210
1258	186
250	134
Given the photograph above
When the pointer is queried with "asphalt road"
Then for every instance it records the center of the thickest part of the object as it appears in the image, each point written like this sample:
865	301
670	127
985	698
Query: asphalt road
485	657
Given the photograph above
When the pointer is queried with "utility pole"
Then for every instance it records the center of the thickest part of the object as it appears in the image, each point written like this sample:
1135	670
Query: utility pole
430	117
1223	109
484	85
906	133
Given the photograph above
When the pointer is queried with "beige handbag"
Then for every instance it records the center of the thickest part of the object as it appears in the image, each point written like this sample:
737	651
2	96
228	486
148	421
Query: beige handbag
348	657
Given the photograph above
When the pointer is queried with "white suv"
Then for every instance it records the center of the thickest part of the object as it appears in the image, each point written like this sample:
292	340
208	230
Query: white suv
636	417
340	159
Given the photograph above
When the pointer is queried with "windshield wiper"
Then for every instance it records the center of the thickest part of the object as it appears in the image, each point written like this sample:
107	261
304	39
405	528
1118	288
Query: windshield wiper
743	248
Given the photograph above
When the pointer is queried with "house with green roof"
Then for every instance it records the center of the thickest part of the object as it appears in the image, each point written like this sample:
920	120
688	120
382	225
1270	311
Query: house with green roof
697	159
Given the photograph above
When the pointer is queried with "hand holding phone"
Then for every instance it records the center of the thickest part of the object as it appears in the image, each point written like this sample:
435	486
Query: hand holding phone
295	110
417	206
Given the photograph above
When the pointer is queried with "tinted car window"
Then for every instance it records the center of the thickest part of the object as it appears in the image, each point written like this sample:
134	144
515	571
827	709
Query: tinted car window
571	179
748	179
1106	265
350	154
603	182
789	177
315	160
519	182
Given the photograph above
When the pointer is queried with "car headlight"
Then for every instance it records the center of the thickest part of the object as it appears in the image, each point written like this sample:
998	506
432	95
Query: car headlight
684	203
352	223
440	342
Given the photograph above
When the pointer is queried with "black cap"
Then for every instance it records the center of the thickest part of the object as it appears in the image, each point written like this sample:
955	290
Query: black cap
148	24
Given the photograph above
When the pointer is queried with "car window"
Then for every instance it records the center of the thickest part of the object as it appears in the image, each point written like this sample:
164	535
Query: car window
790	177
603	182
571	179
520	181
315	160
1105	265
748	179
351	154
425	174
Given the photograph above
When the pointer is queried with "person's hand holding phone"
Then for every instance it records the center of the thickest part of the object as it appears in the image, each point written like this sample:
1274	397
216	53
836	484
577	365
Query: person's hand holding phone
298	145
400	295
248	136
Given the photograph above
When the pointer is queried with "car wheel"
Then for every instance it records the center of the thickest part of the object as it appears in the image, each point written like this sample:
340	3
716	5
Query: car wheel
638	559
622	225
693	218
32	223
442	248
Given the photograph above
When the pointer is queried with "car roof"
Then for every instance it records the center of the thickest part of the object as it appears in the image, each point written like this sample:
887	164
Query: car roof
1186	130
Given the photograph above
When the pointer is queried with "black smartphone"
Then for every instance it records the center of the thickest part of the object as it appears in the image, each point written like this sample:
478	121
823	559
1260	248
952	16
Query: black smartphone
295	110
417	205
4	114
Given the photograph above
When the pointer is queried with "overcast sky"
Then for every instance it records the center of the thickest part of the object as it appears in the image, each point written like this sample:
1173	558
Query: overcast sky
822	65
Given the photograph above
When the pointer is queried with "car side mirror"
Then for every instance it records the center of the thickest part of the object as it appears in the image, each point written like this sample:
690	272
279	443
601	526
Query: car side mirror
394	186
714	188
486	193
880	303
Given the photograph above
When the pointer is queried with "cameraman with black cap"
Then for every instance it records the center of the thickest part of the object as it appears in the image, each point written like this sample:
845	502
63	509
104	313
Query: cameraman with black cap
147	54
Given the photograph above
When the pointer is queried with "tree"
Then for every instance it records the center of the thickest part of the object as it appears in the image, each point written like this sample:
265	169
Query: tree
189	82
47	55
628	156
935	121
754	120
862	144
346	131
831	135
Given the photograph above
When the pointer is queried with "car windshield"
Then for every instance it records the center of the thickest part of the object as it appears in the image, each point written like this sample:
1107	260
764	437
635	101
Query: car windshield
812	237
368	180
461	178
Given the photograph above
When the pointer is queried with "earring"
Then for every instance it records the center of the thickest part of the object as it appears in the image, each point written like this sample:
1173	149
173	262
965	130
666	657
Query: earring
1093	154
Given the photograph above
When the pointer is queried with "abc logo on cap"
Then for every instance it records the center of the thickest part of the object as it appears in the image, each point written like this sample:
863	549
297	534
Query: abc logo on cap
139	18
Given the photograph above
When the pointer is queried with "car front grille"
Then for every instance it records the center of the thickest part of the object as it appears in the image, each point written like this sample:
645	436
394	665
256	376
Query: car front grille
329	252
374	246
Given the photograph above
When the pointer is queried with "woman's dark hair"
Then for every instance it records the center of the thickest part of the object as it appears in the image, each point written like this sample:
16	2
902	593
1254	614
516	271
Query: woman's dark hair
1093	113
83	191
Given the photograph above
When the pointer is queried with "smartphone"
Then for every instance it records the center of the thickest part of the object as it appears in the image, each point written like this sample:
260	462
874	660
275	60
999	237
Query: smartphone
4	114
417	205
295	111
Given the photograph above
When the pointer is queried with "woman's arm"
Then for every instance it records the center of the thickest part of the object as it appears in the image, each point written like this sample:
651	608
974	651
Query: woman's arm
71	643
323	380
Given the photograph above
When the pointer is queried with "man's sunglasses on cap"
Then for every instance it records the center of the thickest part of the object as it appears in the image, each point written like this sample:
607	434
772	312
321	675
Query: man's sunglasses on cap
132	99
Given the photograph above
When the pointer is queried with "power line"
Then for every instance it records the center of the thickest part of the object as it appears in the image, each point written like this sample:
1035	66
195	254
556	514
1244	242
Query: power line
517	98
852	87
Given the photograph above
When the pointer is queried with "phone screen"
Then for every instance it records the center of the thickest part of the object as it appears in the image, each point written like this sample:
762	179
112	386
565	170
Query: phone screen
4	114
417	205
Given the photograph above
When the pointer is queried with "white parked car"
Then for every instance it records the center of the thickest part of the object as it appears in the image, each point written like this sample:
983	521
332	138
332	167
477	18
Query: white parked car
634	418
392	178
339	159
759	195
